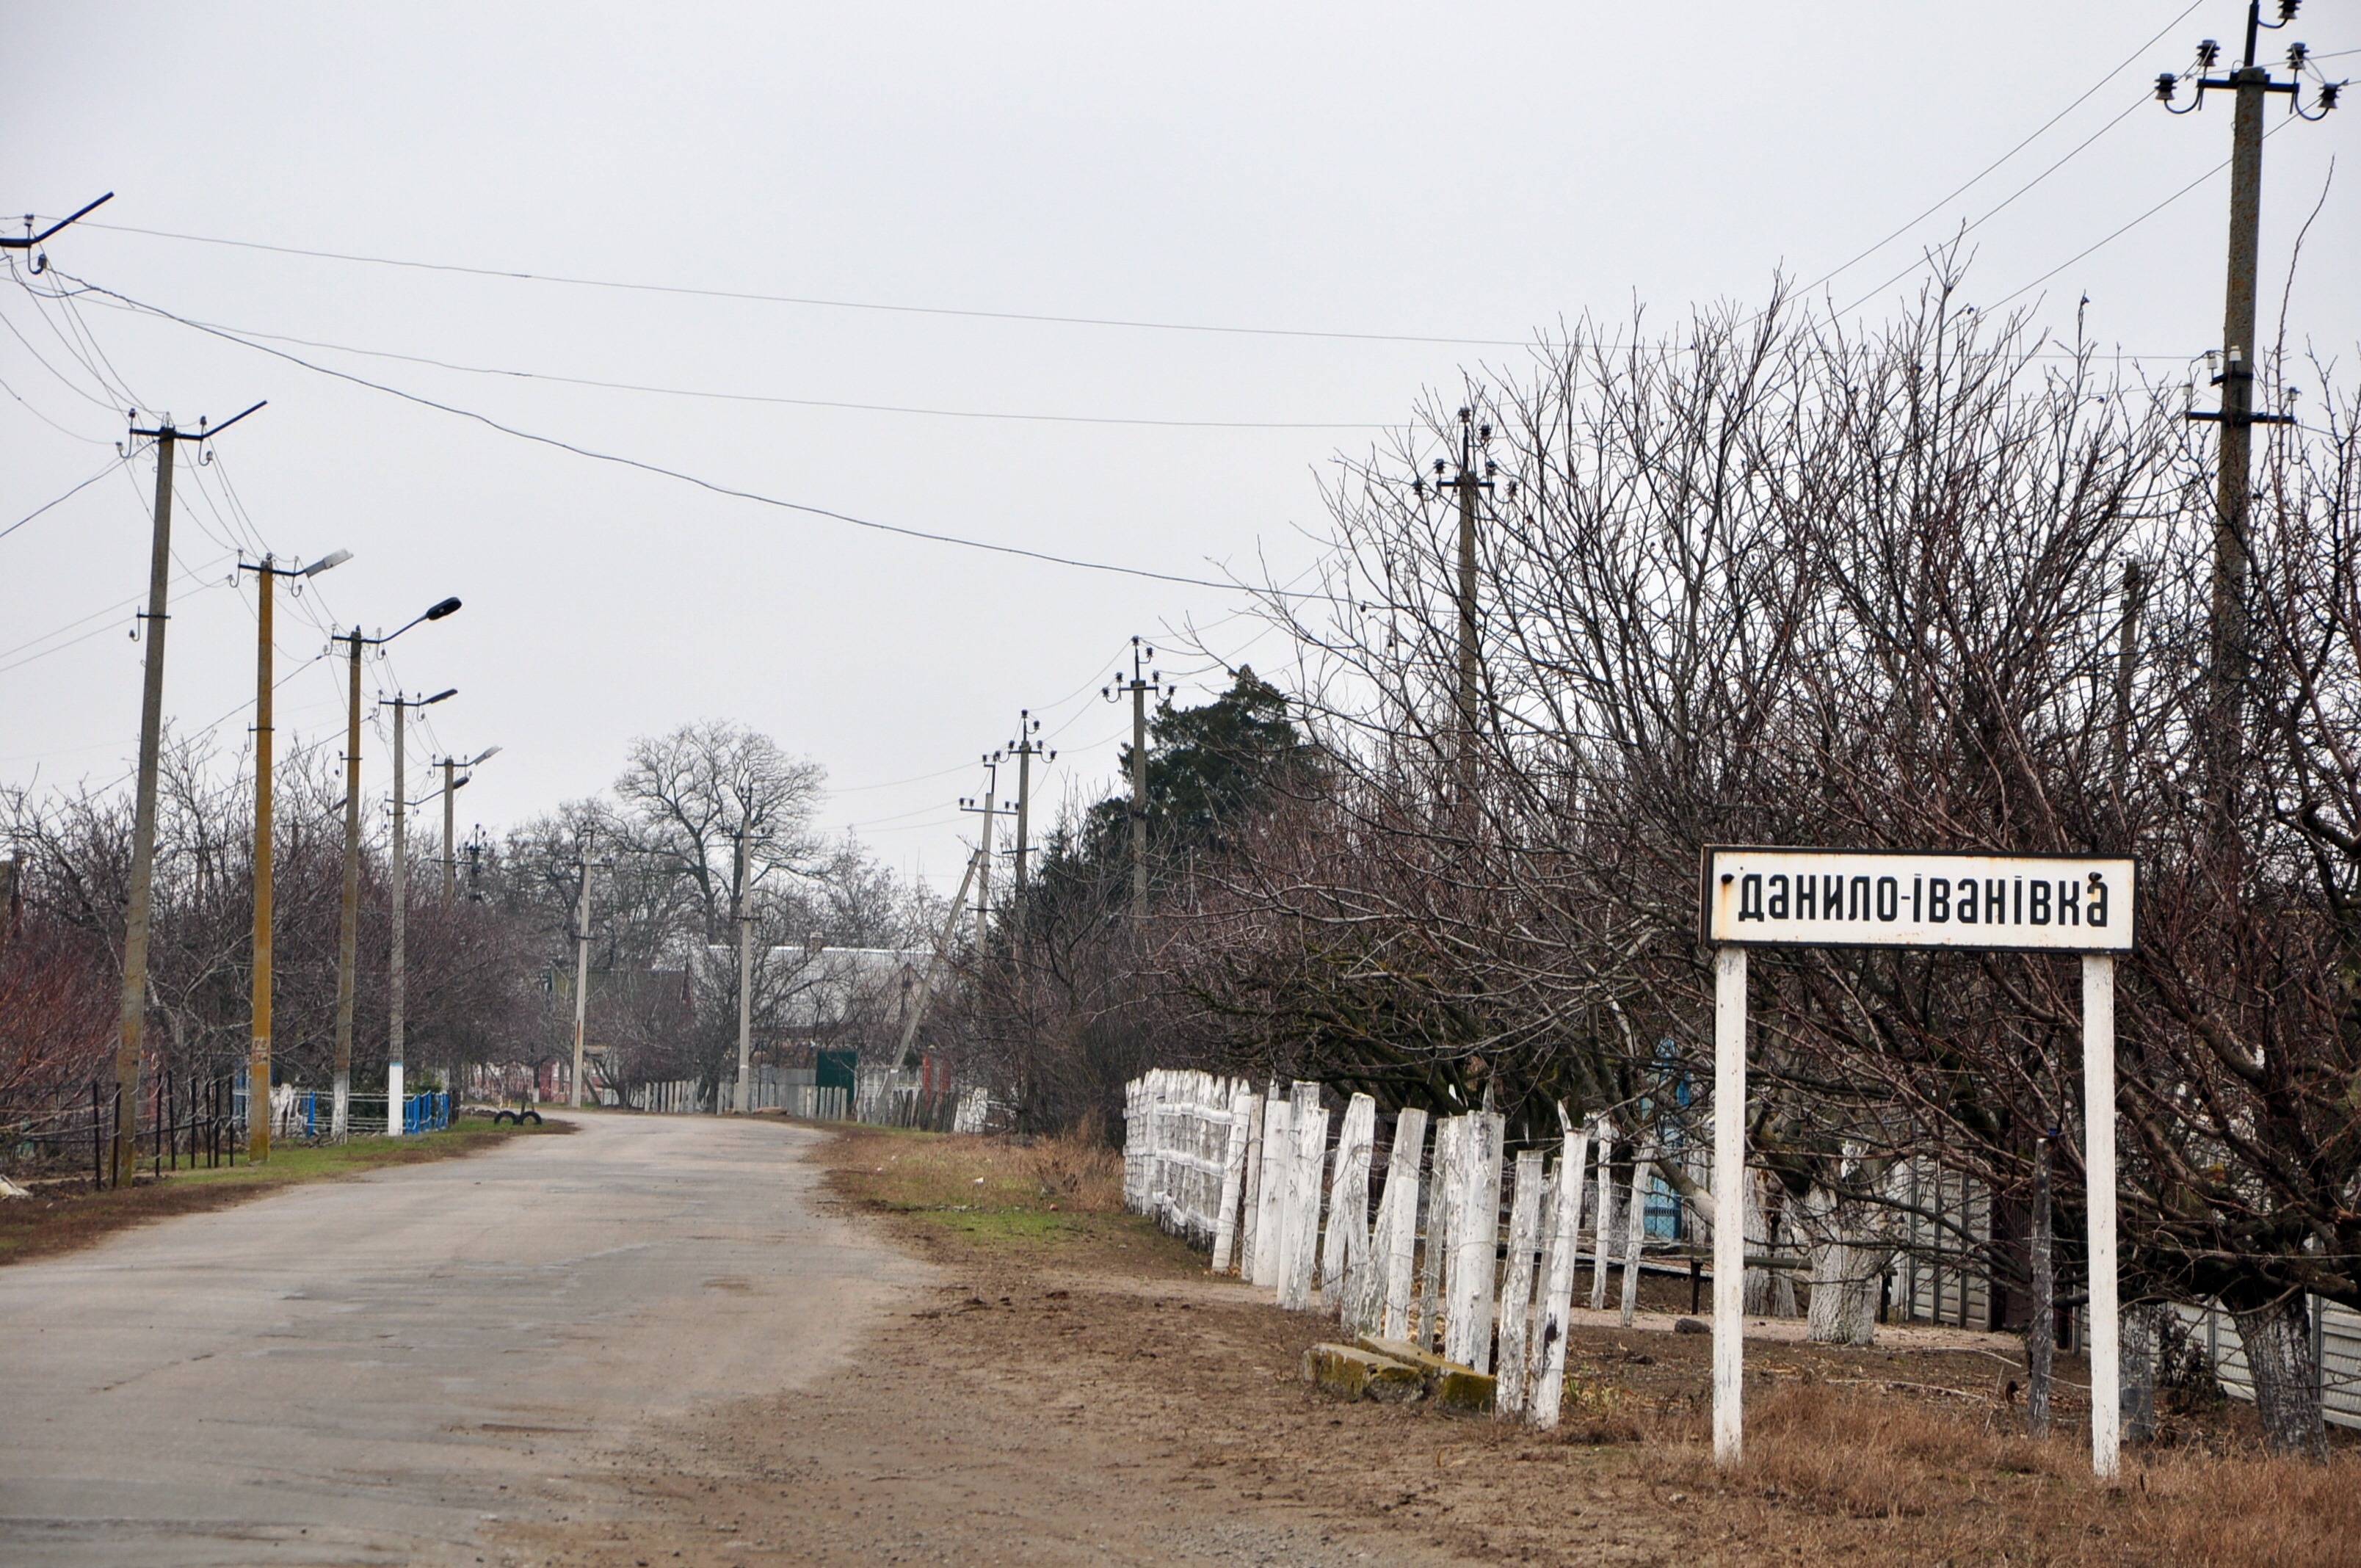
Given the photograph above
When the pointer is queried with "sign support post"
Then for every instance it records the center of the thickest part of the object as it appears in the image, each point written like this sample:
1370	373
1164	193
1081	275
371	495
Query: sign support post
1729	1202
2099	1167
1877	898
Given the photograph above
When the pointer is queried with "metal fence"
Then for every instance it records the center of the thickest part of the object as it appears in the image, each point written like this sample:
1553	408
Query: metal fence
69	1134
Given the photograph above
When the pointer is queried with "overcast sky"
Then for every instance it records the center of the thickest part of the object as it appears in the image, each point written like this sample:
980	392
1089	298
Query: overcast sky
1381	173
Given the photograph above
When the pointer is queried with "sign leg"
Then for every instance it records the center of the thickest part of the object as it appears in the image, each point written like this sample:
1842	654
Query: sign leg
1728	1201
2098	1163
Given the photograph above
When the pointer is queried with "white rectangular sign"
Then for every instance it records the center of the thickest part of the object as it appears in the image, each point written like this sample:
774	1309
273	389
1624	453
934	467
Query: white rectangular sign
1916	898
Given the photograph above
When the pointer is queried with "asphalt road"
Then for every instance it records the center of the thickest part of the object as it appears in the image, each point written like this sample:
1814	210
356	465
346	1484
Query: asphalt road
391	1369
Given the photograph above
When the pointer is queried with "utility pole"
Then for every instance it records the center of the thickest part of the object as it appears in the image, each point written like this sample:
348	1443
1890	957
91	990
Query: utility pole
2253	85
143	828
1139	690
397	969
1025	747
348	916
1474	474
581	972
257	1069
990	808
450	845
918	1010
349	924
745	979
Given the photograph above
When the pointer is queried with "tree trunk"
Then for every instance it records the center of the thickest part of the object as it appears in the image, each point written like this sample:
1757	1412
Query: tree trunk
2137	1381
1847	1263
2278	1340
2041	1335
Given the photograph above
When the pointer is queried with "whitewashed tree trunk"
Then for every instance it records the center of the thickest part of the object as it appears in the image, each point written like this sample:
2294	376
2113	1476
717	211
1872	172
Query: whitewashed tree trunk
1476	1245
1635	1231
1442	1198
1234	1174
1760	1302
1398	1255
1848	1260
1603	1237
1344	1250
1545	1383
1517	1287
2277	1338
1300	1232
1277	1159
1250	1198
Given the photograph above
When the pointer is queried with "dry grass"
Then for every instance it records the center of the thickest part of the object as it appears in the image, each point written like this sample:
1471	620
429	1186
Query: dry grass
1833	1471
1079	1171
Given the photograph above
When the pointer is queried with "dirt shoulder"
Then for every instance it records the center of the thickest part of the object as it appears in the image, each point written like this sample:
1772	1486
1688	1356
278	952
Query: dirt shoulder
62	1218
1078	1389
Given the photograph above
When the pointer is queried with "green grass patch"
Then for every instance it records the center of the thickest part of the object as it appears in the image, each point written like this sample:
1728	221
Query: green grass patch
64	1218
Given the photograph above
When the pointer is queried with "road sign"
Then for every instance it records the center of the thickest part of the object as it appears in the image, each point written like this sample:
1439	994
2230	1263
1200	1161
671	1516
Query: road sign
1752	897
1916	898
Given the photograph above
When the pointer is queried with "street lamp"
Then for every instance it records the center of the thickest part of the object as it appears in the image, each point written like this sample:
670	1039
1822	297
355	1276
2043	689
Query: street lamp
257	1069
348	925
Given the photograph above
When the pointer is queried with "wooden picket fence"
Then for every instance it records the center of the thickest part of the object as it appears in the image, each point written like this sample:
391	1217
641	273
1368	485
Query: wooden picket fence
1256	1178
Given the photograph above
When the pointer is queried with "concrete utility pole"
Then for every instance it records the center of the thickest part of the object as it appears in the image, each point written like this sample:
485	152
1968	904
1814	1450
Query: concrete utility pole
916	1012
397	969
990	808
745	921
450	844
2253	85
143	826
348	924
348	916
1026	748
581	972
1465	484
1139	690
257	1069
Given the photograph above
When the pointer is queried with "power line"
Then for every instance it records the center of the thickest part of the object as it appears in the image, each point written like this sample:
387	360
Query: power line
799	402
711	486
70	495
815	300
2135	223
2129	111
1979	176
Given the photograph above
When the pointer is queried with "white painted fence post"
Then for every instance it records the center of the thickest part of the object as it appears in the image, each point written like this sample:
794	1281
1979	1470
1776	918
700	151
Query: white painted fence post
1603	1237
1442	1198
1344	1251
1400	1251
1729	1202
1233	1171
1547	1381
1635	1231
1476	1242
1250	1200
1517	1288
1277	1159
1299	1229
2099	1164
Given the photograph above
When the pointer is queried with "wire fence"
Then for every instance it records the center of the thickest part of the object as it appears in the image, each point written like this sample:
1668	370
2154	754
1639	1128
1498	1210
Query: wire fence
68	1135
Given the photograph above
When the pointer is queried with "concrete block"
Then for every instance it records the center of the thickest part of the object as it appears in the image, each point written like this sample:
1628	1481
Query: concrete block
1449	1384
1355	1373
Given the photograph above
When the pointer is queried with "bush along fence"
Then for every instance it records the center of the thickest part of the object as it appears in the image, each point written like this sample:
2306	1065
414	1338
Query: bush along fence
1421	1281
